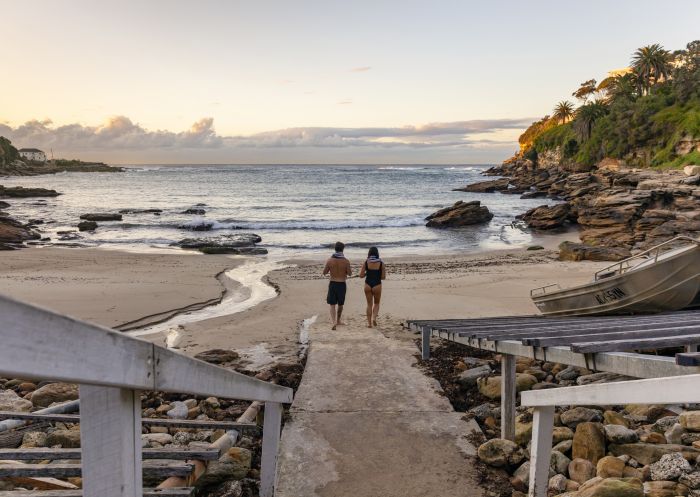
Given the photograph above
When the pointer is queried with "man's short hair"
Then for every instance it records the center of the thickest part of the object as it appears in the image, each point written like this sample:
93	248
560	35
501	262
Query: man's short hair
339	246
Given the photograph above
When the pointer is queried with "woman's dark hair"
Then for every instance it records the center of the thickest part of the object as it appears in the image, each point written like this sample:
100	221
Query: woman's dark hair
373	251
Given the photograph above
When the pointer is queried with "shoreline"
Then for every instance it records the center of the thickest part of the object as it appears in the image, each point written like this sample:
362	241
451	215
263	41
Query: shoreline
122	289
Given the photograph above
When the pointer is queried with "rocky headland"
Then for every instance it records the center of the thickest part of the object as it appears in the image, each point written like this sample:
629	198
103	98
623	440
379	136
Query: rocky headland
615	207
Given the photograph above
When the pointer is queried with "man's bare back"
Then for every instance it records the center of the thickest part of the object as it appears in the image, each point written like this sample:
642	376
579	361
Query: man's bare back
339	269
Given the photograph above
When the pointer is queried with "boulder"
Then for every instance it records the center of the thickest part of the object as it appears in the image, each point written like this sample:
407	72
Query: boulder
67	439
54	392
460	214
499	453
614	487
87	226
489	186
523	428
662	424
610	467
690	420
234	465
574	417
101	217
178	410
570	251
620	435
690	480
669	467
217	356
589	442
198	211
159	438
491	387
646	453
581	470
664	489
238	243
21	192
615	418
561	433
547	217
10	401
468	378
34	439
674	435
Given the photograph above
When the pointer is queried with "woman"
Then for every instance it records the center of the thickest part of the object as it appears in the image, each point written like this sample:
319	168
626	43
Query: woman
374	271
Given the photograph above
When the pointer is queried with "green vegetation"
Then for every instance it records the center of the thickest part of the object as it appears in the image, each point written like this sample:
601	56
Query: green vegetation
648	116
8	153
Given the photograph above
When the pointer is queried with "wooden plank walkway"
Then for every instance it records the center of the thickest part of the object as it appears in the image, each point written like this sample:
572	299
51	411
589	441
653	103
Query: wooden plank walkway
72	470
147	492
366	422
40	454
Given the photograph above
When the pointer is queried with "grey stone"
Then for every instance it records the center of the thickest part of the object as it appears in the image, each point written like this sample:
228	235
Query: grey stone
620	435
669	467
573	417
178	410
468	378
10	401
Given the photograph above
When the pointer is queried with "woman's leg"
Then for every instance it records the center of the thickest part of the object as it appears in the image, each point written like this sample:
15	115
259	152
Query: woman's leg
368	296
377	296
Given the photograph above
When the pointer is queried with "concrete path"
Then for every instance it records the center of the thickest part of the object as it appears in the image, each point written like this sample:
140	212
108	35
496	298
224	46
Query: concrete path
366	423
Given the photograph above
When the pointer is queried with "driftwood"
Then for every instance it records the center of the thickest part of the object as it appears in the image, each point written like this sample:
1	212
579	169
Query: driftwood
13	438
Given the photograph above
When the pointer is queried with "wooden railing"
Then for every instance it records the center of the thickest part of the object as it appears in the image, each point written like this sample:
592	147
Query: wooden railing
669	390
112	369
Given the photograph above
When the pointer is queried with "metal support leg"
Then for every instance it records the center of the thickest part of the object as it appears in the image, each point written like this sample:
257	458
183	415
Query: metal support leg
542	424
270	448
508	397
425	343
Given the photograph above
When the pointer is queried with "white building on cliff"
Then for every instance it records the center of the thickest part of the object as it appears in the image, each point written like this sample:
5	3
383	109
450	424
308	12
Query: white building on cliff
33	154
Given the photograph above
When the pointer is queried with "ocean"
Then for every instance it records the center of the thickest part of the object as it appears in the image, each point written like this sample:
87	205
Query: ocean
298	210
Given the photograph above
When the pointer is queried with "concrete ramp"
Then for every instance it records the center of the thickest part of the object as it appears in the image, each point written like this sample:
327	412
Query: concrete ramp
366	423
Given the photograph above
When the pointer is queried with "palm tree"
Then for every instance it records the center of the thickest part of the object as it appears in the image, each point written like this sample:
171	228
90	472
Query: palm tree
651	64
563	112
586	116
613	87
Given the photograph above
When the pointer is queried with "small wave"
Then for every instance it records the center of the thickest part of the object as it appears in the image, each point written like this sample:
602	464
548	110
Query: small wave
208	224
398	168
466	168
328	246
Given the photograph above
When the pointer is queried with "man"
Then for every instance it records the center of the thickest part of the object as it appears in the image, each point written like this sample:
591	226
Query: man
339	268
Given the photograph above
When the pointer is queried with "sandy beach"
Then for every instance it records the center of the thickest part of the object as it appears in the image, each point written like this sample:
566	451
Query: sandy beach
113	288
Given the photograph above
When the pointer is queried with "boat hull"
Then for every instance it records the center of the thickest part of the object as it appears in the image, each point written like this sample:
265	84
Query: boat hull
667	285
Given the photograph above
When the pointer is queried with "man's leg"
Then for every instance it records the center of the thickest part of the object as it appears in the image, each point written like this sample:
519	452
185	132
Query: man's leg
333	322
340	313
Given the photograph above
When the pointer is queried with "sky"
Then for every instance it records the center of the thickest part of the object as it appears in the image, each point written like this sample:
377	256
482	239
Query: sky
308	81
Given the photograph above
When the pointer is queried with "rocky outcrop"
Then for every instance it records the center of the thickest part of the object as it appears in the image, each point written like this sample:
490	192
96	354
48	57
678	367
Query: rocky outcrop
198	211
545	217
615	206
569	251
239	243
14	234
21	192
496	185
87	226
106	216
460	214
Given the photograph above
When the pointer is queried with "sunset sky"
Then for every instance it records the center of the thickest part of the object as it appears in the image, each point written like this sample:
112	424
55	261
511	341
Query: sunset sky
309	81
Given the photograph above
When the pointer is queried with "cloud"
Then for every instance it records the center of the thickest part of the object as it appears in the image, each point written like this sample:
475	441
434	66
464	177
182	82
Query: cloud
345	102
361	69
120	133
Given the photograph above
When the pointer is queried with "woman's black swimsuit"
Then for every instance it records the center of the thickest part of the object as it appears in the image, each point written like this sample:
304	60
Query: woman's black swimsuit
373	277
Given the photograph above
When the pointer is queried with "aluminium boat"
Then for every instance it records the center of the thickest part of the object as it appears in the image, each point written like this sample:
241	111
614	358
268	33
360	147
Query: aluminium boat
664	278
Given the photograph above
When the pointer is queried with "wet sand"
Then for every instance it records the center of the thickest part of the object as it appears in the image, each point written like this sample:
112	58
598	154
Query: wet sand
112	288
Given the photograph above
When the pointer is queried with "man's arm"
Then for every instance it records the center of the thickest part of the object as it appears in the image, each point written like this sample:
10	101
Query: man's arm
348	269
327	269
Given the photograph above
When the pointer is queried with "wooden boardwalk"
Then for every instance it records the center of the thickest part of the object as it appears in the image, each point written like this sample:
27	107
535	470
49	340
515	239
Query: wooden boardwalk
365	423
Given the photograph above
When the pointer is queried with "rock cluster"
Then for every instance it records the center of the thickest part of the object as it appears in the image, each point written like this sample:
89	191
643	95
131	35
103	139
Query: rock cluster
597	451
233	474
614	206
238	243
460	214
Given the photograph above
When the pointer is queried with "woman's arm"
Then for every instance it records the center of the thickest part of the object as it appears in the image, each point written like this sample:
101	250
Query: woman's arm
362	270
383	271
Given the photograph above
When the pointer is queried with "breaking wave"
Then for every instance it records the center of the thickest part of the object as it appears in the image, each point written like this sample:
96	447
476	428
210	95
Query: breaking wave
208	224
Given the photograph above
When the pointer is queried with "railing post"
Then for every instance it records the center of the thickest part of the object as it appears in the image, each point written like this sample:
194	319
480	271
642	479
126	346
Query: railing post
542	425
110	433
508	394
272	427
425	343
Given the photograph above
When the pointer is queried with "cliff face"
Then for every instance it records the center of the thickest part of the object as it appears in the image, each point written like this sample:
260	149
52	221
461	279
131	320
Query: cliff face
613	205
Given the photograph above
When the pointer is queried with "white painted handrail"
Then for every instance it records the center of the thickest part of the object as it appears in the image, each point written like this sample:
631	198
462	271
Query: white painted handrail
112	368
667	390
